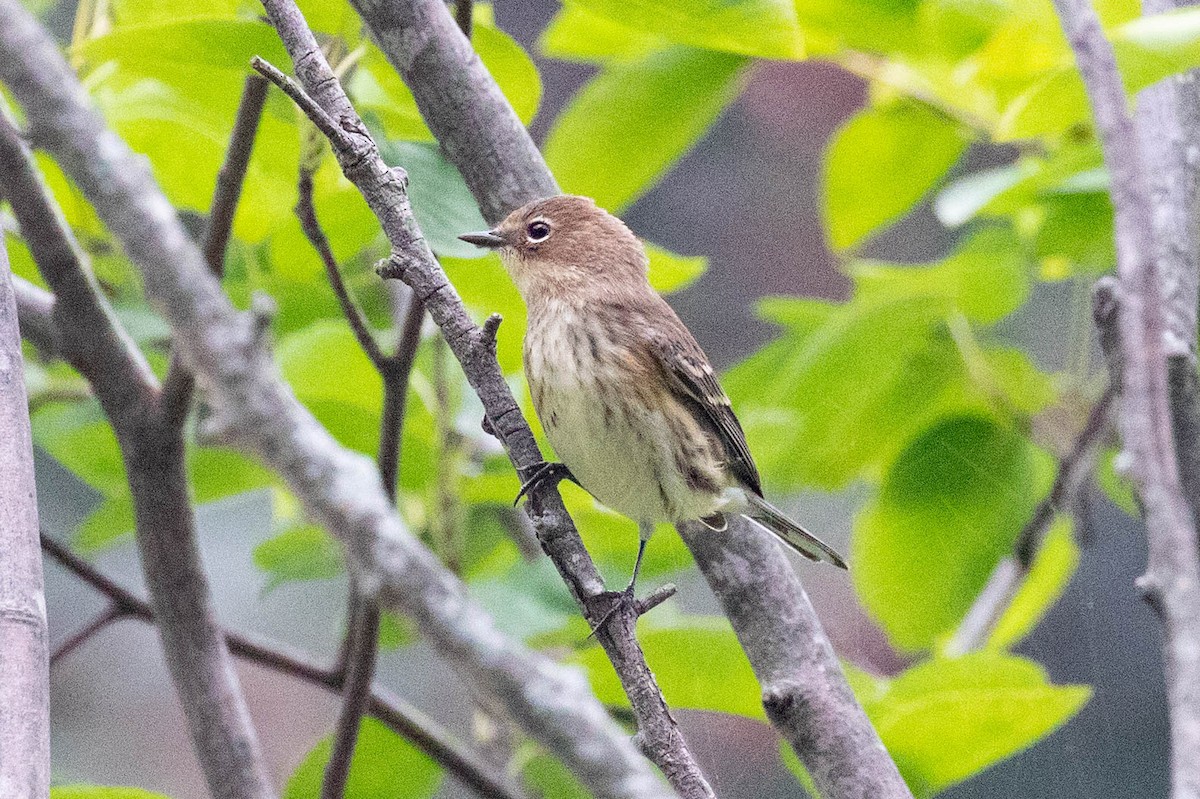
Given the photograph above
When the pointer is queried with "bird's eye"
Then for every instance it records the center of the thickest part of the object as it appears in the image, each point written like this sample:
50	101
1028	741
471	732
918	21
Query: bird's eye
538	231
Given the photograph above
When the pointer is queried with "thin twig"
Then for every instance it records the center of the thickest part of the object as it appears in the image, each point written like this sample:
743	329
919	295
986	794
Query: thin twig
413	262
407	721
361	650
1147	420
35	314
1010	573
78	638
463	12
180	383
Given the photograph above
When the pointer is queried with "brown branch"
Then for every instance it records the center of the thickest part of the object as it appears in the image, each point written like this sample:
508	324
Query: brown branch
463	13
1006	579
35	315
81	636
152	450
407	721
24	671
1147	419
180	383
480	134
361	651
413	262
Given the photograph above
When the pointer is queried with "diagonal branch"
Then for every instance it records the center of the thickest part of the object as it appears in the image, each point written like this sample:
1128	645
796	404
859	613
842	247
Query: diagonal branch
405	720
413	262
35	314
24	671
1172	578
1001	588
481	136
252	405
153	453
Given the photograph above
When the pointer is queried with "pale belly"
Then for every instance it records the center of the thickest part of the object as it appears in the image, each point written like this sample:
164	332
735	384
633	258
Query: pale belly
620	448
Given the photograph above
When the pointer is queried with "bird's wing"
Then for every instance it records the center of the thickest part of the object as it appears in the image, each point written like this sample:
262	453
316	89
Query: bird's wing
692	379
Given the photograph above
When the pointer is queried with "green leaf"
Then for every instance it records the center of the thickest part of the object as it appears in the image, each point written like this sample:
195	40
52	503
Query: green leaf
395	631
1077	228
552	780
963	199
1050	106
300	554
305	358
670	272
385	766
79	437
880	26
949	508
762	28
945	720
698	662
810	417
1047	579
441	201
528	600
577	33
156	47
635	119
109	523
1025	386
100	792
486	288
1150	48
881	163
986	277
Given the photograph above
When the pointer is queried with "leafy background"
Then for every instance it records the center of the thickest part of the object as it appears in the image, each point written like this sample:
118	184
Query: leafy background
884	225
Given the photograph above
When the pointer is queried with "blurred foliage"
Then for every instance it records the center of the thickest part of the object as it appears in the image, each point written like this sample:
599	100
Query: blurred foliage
908	388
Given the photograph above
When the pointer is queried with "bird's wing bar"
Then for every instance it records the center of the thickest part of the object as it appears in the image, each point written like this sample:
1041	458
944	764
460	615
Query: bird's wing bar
690	375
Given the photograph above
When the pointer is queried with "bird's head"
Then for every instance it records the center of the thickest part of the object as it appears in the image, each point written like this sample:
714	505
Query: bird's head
565	244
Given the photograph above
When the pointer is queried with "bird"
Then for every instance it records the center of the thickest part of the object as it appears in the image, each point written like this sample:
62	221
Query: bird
626	396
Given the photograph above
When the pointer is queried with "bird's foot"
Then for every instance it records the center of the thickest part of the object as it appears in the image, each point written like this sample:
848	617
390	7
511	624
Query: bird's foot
624	601
546	474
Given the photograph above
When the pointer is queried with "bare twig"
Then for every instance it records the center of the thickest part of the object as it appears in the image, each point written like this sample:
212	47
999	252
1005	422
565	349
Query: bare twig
481	136
361	650
1011	572
24	670
463	11
152	448
1172	578
253	407
405	720
414	263
85	633
179	384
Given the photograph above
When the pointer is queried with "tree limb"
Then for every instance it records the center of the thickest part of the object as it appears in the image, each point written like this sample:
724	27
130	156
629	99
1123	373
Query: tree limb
1172	578
405	720
481	136
152	449
412	261
252	405
24	665
35	314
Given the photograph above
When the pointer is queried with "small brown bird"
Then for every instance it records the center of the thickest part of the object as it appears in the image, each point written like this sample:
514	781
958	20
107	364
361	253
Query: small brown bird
626	396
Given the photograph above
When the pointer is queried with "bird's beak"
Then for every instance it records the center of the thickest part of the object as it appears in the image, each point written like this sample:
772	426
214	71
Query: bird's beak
486	239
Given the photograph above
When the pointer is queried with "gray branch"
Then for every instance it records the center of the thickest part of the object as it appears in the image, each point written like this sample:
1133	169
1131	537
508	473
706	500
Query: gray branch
252	405
471	119
35	314
24	656
1143	335
152	448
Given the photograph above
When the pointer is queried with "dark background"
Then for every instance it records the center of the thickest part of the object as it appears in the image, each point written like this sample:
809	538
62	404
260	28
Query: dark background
746	197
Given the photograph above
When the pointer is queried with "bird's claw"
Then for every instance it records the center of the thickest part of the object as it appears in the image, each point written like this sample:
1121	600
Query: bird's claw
547	473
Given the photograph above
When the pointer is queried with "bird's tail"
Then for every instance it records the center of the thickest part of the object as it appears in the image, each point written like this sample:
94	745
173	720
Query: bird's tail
791	533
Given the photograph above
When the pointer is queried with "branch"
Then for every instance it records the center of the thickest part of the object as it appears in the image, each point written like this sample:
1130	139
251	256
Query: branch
412	261
24	669
481	136
407	721
179	384
252	405
804	691
152	450
35	315
1172	579
1010	573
